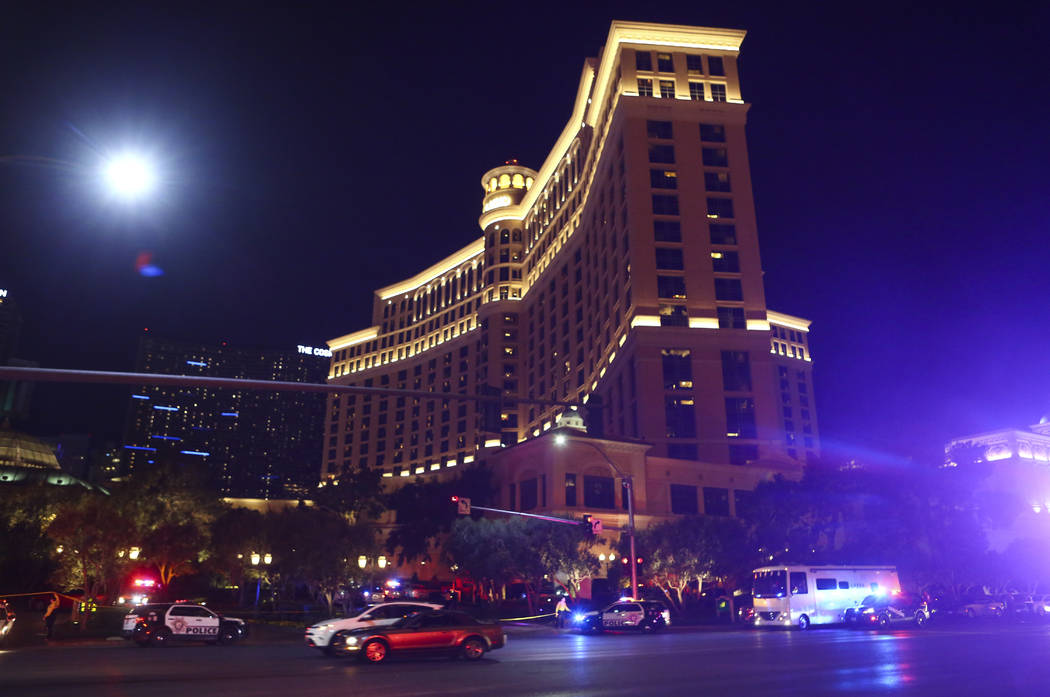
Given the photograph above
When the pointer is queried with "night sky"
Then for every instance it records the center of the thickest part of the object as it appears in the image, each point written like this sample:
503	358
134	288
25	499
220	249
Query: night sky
899	158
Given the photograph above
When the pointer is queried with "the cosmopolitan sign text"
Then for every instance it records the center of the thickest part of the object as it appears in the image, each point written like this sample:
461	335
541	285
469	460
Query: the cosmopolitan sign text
311	351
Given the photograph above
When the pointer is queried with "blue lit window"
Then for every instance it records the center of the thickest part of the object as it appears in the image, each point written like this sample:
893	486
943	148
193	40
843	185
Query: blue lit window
230	413
139	396
197	363
160	408
139	447
166	437
194	452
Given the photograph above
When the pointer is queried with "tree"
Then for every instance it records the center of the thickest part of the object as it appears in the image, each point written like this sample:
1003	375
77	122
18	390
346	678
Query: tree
564	553
694	548
356	494
171	513
174	548
92	533
500	551
425	513
318	548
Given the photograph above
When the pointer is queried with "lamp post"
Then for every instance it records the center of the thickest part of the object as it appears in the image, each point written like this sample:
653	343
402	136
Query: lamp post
266	559
562	440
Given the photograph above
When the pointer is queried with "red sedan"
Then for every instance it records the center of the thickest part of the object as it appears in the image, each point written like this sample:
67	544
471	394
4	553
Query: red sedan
440	632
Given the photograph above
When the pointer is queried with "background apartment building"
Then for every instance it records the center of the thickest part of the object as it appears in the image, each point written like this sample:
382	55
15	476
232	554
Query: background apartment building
250	443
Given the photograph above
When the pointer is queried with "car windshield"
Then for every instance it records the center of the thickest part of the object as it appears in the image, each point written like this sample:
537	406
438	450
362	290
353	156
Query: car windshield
869	600
770	584
144	609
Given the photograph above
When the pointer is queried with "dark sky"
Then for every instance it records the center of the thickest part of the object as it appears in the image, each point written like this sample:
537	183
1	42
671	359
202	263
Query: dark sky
899	157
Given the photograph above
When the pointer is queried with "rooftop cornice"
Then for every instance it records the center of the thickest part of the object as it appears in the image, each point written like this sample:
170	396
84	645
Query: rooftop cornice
449	263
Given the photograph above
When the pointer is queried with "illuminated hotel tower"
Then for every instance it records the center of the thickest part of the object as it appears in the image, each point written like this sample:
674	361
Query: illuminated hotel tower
627	266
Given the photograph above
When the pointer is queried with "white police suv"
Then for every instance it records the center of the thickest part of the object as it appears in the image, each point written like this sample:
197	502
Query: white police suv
320	635
158	624
626	613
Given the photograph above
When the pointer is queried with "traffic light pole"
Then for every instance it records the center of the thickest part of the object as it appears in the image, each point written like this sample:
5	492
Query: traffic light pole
628	482
549	518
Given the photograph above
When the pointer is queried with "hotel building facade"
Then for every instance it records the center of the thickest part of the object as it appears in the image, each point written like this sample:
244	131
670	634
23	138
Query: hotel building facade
624	270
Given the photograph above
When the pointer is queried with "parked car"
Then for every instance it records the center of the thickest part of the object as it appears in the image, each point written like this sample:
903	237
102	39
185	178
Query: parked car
161	624
7	620
981	606
1041	606
646	615
438	632
887	609
320	635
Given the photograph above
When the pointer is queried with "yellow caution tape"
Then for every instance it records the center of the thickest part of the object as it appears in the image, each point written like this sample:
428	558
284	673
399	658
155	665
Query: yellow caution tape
519	619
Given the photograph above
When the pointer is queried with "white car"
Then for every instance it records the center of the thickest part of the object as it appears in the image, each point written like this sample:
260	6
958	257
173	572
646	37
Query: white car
320	635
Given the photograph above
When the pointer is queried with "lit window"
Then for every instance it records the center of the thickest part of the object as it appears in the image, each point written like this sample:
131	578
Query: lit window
696	91
645	87
718	92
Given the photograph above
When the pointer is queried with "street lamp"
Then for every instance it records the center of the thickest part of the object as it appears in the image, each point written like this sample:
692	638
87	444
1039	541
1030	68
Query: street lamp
129	175
561	440
265	559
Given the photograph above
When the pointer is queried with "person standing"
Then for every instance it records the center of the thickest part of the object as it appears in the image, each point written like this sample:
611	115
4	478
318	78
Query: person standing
50	614
561	612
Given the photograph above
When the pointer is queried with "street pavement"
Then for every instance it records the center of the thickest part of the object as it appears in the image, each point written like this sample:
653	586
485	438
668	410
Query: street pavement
991	660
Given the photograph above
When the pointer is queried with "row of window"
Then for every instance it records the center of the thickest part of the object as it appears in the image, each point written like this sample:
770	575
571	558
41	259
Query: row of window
697	90
694	63
664	130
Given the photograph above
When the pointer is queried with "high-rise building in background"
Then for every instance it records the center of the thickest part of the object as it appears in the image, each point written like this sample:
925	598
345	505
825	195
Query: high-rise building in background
251	443
624	270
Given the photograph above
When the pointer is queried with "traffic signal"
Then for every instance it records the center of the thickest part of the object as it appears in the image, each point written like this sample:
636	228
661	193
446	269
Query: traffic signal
491	409
462	505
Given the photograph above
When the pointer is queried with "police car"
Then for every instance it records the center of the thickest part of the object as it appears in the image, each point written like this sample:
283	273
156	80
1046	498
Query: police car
320	635
7	620
626	613
161	623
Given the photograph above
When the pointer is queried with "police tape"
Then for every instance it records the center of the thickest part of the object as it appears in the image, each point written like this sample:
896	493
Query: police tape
531	617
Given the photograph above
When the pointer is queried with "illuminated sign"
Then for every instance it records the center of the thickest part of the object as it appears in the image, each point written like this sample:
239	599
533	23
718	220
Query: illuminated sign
3	292
496	202
311	351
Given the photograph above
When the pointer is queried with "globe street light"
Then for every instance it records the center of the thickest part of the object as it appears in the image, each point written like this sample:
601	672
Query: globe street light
562	440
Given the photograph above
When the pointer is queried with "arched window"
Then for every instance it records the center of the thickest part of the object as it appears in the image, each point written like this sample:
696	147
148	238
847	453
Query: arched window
504	181
528	183
492	184
519	181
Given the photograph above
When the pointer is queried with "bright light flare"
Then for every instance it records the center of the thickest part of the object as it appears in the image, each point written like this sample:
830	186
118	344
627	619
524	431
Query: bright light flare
130	175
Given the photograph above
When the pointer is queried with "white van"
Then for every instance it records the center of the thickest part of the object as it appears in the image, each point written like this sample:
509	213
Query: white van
801	595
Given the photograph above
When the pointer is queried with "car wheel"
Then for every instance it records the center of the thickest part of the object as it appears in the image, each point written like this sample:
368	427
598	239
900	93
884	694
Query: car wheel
473	648
648	627
162	637
920	619
227	635
803	622
374	651
998	612
884	620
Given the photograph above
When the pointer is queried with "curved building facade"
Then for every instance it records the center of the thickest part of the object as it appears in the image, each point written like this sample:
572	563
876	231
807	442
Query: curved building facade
626	268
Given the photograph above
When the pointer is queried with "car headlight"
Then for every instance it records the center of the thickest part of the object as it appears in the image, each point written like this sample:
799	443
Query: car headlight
351	640
578	617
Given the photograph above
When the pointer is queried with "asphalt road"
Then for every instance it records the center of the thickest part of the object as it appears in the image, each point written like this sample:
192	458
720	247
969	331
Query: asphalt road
987	660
